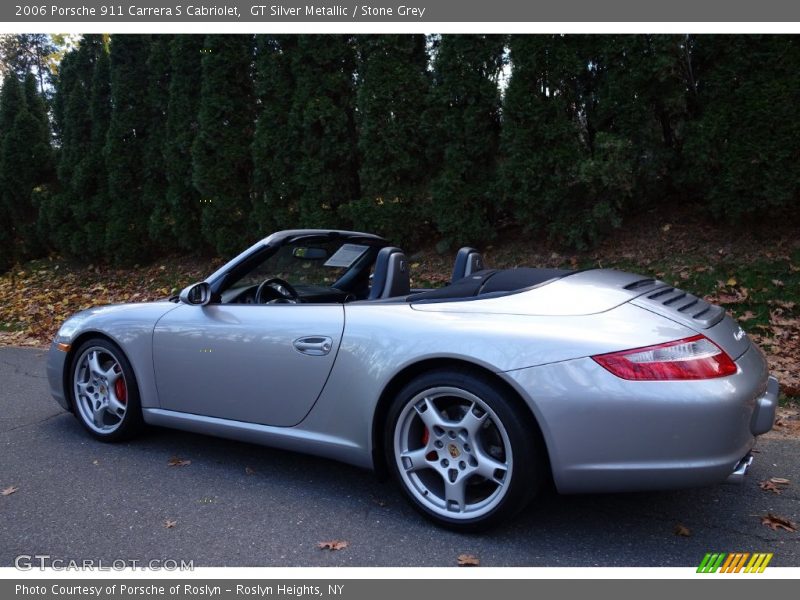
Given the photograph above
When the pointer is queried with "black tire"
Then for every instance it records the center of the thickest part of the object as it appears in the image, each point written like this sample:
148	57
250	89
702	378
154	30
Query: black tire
477	426
111	427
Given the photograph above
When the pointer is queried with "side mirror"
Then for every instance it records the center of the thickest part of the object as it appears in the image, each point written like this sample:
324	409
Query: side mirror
197	294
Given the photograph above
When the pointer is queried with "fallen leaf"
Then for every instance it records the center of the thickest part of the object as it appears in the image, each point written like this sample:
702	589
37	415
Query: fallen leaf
682	531
249	471
777	283
170	524
776	522
468	560
178	462
768	486
666	227
779	480
333	545
9	490
746	315
731	282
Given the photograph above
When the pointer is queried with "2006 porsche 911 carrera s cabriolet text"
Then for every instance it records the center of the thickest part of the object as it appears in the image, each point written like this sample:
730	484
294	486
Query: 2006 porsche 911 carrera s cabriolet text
472	395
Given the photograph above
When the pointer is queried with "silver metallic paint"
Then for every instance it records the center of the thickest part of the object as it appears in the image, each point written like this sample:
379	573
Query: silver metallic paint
607	434
238	361
602	433
130	326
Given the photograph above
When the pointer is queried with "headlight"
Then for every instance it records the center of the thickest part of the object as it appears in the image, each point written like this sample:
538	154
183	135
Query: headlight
68	329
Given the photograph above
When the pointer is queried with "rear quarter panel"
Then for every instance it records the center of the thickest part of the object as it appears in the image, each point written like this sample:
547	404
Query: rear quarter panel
381	340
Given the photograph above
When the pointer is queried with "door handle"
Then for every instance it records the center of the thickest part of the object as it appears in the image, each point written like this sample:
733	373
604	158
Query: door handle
314	345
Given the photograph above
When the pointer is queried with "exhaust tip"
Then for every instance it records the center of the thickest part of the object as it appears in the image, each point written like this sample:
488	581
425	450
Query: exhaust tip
741	469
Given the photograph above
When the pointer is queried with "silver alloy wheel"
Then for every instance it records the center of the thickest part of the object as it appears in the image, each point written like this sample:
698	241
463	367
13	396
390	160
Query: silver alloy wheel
101	392
453	453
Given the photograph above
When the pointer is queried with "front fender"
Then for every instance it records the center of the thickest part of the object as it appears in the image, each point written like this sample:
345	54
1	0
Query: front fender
130	326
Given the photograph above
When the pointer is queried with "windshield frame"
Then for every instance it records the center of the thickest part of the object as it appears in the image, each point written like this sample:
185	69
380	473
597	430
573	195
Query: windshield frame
225	278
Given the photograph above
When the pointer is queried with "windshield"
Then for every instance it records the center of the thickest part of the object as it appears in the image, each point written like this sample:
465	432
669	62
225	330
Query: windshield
306	262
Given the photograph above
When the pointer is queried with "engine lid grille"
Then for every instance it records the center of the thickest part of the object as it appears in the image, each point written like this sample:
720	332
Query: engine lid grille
681	306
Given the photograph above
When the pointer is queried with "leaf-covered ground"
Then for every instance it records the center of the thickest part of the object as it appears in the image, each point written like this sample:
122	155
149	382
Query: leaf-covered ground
37	297
754	273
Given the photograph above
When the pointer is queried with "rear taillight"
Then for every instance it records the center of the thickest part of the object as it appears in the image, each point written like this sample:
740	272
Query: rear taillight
695	357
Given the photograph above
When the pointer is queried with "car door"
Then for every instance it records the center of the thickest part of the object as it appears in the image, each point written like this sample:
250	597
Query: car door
256	363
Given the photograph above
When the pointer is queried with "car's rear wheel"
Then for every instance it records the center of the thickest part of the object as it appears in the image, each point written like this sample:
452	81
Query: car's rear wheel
104	391
464	453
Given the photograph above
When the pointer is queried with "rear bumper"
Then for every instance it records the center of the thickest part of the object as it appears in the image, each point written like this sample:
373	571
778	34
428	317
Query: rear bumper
605	434
766	405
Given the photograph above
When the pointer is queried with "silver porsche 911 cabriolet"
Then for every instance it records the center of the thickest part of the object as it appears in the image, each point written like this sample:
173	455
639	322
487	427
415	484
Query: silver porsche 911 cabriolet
472	395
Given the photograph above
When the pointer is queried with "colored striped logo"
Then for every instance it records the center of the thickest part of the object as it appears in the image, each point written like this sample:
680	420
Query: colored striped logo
734	562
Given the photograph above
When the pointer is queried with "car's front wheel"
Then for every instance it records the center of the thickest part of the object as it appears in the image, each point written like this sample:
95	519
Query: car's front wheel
464	453
104	391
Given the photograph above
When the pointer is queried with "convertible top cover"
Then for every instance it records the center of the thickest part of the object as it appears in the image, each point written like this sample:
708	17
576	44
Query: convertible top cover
491	281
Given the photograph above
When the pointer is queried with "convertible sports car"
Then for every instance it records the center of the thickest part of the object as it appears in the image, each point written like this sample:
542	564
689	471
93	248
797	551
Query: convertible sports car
472	395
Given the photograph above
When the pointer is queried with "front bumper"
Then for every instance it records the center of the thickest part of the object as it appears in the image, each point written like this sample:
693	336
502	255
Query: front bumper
56	360
605	434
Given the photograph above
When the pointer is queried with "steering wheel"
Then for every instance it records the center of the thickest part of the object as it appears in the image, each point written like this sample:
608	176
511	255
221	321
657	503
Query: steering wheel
276	289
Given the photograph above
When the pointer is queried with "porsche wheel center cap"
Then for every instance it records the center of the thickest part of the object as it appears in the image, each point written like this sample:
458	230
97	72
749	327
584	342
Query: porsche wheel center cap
453	450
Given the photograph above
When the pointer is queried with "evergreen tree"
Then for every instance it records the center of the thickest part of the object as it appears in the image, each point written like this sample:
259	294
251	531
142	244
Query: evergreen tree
24	53
12	103
276	144
221	151
181	211
641	98
66	217
464	119
563	172
743	144
72	125
323	116
93	165
392	91
155	184
35	137
25	166
126	231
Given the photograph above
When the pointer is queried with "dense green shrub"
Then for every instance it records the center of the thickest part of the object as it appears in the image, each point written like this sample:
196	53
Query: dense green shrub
152	143
221	152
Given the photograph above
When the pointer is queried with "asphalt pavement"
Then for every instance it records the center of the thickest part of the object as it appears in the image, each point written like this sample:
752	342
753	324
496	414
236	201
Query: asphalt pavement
238	504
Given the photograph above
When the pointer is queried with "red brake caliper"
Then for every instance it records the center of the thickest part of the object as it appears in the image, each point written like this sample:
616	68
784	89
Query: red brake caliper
121	390
426	435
